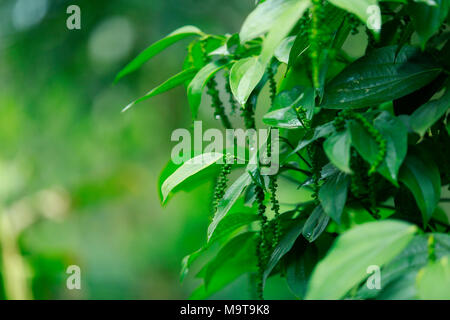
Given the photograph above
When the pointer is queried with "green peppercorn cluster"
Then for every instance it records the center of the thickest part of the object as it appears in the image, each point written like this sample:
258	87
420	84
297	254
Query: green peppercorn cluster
263	246
313	154
317	38
273	186
375	134
213	92
231	99
221	185
219	109
272	83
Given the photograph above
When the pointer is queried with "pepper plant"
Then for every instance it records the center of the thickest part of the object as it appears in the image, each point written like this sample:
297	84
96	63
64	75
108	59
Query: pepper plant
366	137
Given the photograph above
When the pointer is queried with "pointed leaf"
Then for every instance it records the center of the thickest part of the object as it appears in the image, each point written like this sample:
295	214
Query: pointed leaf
282	27
374	243
286	243
196	86
394	132
333	195
337	148
237	257
316	224
283	50
157	47
423	179
230	197
188	169
263	18
244	77
176	80
424	117
378	77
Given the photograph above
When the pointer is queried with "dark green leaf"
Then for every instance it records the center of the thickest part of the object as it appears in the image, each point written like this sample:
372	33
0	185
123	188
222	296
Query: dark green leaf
424	117
316	224
333	195
394	132
299	269
428	18
320	132
286	243
423	179
378	77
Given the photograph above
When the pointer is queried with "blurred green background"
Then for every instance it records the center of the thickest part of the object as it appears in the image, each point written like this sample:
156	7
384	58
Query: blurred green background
78	178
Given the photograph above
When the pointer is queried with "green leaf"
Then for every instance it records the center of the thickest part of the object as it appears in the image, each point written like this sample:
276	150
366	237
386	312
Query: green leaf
320	132
337	149
264	17
378	77
176	80
423	118
230	197
237	218
299	47
316	224
244	77
374	243
285	245
282	52
363	9
196	86
423	179
282	27
333	195
188	169
433	282
428	18
299	269
396	135
283	118
394	132
333	27
296	97
157	47
237	257
406	265
230	223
